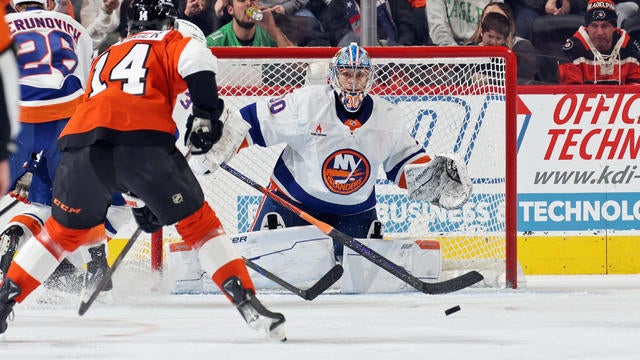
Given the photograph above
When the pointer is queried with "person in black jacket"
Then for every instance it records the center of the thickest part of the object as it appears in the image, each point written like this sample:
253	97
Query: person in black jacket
394	22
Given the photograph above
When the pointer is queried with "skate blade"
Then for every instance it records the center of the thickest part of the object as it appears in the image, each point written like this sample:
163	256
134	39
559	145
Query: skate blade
272	328
275	332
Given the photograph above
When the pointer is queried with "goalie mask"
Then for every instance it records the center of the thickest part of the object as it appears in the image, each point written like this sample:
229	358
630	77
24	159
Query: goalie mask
351	75
151	15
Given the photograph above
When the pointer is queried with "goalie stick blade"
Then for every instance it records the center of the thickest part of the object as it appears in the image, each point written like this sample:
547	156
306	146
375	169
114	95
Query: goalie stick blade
452	285
432	288
316	289
325	282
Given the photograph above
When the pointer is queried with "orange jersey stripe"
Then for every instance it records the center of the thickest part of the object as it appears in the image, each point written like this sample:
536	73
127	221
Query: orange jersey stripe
234	267
21	277
46	113
31	223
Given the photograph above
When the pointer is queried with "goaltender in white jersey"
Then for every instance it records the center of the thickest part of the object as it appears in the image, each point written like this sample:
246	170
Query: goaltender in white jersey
337	136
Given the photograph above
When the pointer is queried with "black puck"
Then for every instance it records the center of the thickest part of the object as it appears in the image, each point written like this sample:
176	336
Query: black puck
452	310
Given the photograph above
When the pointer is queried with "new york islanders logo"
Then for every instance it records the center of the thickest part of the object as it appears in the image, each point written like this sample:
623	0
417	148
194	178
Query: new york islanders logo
345	171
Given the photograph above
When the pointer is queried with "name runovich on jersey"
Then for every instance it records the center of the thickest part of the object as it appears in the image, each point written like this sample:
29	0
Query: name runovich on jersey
53	54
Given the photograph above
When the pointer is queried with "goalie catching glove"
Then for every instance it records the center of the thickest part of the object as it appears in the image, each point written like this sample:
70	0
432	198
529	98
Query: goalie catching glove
204	129
443	181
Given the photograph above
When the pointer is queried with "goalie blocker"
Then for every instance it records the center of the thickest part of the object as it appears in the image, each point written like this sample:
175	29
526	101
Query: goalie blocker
302	255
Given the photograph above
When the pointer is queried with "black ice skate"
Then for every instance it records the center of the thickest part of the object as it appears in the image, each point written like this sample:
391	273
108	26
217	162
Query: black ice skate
9	291
254	313
9	241
97	268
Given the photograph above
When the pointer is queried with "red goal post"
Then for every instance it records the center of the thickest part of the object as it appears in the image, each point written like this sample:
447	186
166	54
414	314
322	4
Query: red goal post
455	99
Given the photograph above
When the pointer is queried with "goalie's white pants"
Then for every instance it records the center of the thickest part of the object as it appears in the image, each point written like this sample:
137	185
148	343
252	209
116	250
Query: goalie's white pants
302	255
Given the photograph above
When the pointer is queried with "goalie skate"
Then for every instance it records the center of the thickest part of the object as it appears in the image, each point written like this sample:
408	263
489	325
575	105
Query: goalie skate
253	312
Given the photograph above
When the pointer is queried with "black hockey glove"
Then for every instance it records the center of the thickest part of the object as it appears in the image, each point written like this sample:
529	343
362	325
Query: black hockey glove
146	219
202	131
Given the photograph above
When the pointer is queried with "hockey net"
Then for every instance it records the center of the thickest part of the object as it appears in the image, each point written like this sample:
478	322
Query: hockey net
454	99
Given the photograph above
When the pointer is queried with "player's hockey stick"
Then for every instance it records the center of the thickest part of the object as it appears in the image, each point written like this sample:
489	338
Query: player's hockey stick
84	305
8	207
311	293
443	287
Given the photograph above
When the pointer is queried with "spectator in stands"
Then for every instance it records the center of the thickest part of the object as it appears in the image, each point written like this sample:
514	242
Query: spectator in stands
494	30
419	13
600	52
101	18
244	31
525	11
288	7
199	12
395	23
523	48
294	18
448	25
222	16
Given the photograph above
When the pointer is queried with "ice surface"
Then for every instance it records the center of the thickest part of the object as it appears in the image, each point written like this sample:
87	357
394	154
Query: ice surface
554	317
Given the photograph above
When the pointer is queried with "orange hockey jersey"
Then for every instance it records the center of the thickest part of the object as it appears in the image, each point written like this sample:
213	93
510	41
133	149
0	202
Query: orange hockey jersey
132	89
5	38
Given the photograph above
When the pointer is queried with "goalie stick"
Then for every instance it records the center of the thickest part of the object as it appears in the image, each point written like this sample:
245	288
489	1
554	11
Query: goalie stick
84	305
443	287
311	293
8	207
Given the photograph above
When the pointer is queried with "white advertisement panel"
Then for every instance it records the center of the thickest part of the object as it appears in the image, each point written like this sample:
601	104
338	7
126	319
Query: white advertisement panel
577	162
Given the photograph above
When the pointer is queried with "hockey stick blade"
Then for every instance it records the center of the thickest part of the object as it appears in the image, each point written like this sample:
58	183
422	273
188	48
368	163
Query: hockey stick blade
84	305
311	293
443	287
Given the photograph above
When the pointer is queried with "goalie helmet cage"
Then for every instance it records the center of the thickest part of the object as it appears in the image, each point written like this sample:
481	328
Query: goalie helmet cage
454	99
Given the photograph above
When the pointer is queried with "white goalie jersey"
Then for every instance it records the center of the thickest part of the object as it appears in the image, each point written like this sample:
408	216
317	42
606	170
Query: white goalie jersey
327	164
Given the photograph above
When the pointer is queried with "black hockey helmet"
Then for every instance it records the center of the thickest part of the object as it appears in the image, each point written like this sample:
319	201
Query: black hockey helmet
150	15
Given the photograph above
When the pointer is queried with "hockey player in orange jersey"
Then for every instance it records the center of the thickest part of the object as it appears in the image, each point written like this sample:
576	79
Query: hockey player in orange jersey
121	139
53	64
